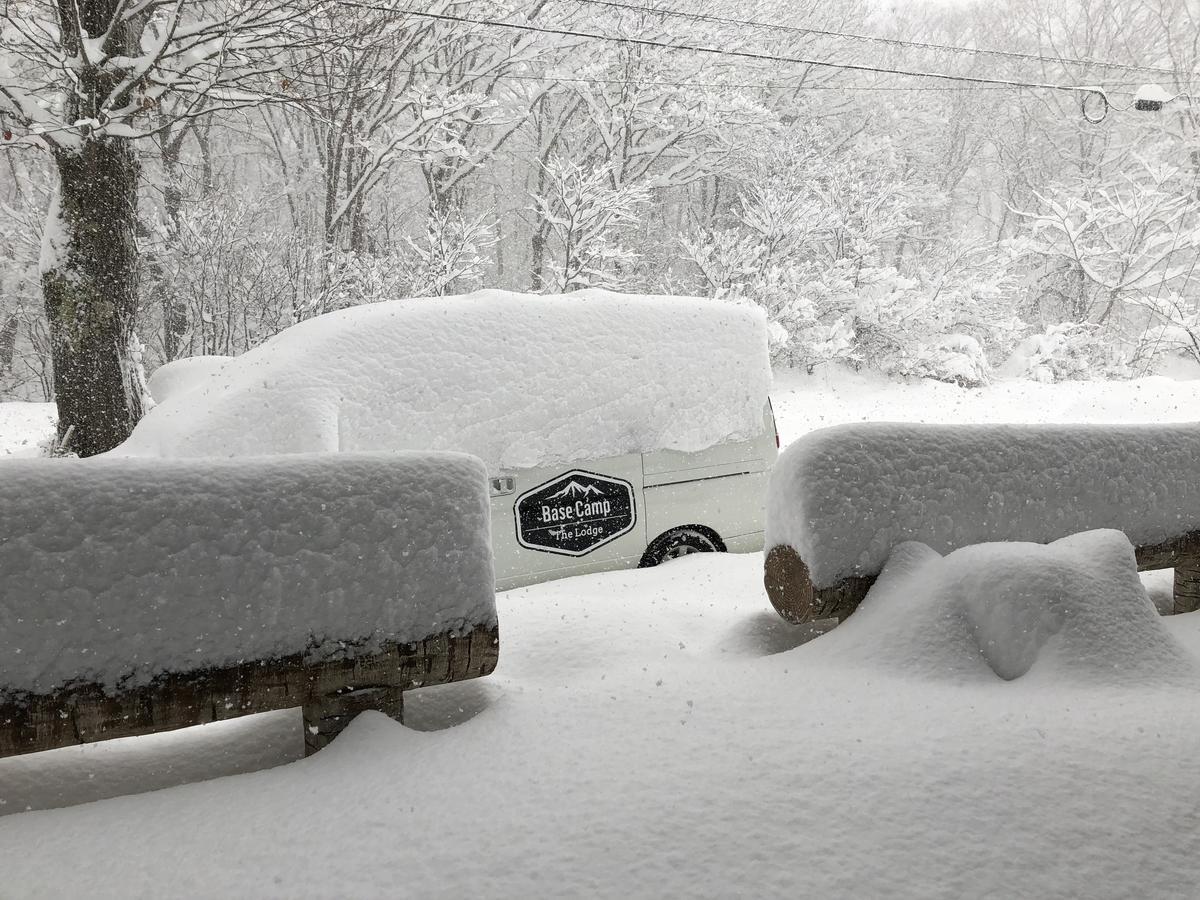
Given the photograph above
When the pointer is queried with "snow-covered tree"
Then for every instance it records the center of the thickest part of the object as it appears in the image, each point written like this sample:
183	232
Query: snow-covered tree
86	81
1111	253
586	215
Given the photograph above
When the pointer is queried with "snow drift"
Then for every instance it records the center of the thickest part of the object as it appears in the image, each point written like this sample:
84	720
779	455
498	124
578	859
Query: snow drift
1071	611
182	375
843	497
114	570
518	380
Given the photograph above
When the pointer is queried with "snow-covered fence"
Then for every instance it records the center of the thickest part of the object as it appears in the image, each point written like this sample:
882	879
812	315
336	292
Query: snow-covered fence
143	595
841	498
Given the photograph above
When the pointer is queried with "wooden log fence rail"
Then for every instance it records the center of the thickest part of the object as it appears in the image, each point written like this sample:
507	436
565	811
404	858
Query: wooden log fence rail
329	692
344	594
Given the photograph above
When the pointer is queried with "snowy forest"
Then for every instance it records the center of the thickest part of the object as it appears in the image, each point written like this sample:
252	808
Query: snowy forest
939	191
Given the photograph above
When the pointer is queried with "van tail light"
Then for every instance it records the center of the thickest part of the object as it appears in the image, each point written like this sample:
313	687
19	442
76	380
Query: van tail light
774	424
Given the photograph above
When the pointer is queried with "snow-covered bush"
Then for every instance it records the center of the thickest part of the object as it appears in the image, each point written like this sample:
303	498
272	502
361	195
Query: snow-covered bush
1063	352
957	358
1174	327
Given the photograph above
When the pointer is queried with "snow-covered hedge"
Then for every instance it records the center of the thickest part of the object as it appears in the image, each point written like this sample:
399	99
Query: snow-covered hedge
114	570
843	497
518	380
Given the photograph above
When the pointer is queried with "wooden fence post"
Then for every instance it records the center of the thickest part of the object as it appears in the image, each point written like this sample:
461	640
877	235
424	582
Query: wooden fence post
325	718
1187	586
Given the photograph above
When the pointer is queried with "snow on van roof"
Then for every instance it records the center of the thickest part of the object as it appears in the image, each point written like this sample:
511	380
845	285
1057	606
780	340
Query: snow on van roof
516	379
181	375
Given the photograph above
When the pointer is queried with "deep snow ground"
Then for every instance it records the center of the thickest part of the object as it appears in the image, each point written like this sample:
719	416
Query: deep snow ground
663	733
659	733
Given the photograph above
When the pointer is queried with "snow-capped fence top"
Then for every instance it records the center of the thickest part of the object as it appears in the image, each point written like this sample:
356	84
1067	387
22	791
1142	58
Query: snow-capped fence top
518	380
114	571
842	498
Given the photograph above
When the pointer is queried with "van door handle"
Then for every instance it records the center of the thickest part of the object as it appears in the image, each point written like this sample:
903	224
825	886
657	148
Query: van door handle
505	484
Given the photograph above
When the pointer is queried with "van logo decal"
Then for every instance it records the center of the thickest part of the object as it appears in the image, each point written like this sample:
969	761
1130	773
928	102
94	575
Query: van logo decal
575	513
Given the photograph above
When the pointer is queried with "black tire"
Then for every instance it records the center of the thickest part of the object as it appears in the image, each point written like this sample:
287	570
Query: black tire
681	541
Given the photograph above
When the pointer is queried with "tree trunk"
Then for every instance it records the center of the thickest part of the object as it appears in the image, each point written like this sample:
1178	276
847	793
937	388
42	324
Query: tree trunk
89	282
537	257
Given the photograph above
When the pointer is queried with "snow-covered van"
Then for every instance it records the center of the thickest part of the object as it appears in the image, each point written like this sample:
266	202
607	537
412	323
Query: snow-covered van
617	430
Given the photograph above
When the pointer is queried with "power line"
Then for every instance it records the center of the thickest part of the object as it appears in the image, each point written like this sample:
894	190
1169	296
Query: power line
922	45
717	51
553	77
574	79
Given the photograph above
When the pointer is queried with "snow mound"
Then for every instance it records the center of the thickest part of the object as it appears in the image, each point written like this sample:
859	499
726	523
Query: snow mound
843	497
518	380
1073	610
115	570
182	375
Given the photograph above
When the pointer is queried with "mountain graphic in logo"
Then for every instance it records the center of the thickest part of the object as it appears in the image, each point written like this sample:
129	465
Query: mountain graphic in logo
575	489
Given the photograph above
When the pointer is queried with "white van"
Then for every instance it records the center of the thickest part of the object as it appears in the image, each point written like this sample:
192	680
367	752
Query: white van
632	510
617	430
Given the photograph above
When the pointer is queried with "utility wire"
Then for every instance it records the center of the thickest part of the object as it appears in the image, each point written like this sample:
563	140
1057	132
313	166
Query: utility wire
717	51
552	77
575	79
922	45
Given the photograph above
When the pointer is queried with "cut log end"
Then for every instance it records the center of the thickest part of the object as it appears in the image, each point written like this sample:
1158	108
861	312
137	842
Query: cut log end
790	588
788	585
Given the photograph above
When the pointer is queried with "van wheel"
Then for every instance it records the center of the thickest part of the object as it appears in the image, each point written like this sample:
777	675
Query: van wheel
682	541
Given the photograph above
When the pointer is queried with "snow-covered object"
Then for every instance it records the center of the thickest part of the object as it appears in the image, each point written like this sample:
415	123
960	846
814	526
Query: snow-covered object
650	733
1072	610
518	380
182	375
115	570
844	497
